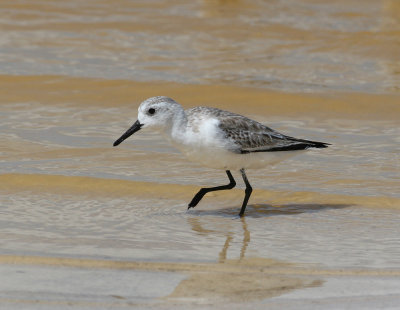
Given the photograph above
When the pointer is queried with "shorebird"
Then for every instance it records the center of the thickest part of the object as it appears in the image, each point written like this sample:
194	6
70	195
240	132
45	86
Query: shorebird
217	139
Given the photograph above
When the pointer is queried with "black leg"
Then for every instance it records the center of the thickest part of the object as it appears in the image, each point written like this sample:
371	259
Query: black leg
248	191
196	199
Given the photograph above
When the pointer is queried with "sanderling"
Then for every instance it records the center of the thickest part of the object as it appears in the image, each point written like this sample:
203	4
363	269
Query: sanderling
217	139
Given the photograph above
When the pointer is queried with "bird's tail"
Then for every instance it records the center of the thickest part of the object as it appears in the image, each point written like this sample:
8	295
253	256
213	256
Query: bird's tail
309	143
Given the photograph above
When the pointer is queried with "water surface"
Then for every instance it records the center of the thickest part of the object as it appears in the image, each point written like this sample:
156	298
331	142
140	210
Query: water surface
286	45
72	75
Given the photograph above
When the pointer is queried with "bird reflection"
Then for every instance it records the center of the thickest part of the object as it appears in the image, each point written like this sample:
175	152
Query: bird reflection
255	211
198	228
246	238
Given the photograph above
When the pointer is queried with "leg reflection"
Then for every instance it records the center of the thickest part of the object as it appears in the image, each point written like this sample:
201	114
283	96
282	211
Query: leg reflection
246	238
198	228
222	254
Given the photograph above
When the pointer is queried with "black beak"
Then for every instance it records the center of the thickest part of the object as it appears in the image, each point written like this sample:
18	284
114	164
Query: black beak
135	127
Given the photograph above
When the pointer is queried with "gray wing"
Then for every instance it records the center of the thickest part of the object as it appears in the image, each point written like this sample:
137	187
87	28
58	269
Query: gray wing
250	136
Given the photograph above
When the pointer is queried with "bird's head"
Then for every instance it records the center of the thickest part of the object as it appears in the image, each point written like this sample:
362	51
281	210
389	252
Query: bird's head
155	113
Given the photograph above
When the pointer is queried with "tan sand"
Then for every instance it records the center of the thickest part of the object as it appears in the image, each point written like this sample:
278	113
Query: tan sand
56	90
97	187
95	242
242	280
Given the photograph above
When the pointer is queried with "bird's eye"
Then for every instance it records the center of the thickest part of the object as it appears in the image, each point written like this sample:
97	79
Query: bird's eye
151	111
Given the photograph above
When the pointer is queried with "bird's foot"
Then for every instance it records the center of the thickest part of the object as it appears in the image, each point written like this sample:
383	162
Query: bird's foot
191	205
237	217
196	199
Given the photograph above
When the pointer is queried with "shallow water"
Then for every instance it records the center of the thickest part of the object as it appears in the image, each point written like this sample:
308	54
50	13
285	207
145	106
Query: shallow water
327	235
68	140
337	207
286	45
71	78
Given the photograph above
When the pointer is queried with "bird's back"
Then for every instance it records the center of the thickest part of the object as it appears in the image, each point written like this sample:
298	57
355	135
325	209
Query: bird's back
247	135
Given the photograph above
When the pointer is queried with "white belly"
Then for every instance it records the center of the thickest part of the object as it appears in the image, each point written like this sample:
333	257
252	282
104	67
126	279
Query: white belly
208	146
223	159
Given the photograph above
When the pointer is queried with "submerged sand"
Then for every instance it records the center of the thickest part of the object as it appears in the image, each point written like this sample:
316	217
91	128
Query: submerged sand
75	207
242	276
84	225
246	280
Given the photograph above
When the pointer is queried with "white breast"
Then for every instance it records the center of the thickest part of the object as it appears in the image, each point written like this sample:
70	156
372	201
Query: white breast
205	143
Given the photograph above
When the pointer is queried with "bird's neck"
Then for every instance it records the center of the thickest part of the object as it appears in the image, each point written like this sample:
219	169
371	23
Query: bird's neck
177	128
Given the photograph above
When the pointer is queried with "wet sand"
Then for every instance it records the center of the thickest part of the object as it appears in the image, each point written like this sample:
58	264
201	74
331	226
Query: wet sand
74	208
84	225
79	92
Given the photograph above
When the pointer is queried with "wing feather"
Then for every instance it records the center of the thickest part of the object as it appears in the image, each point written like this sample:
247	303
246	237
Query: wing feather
249	136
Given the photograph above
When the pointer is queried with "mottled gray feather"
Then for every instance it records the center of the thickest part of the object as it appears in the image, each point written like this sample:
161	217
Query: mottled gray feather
251	136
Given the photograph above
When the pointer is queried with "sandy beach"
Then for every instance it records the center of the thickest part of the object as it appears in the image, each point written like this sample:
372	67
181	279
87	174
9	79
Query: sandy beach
84	225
